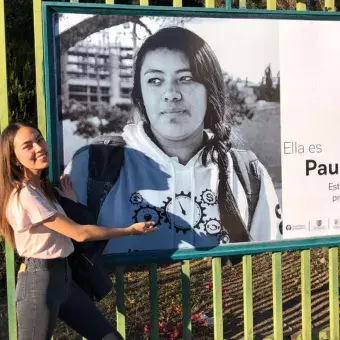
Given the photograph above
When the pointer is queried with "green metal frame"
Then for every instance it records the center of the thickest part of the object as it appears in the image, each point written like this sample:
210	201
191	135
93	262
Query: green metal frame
94	8
51	8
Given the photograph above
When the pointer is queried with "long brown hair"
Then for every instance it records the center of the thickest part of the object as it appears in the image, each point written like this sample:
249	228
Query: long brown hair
12	177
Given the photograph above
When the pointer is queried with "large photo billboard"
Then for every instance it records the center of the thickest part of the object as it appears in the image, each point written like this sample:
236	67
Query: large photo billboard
220	130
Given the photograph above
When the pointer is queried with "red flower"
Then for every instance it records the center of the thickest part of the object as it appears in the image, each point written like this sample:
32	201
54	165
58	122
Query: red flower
175	335
163	326
208	285
195	317
179	325
147	329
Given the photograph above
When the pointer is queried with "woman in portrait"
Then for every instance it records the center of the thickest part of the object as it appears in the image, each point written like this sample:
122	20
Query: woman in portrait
179	167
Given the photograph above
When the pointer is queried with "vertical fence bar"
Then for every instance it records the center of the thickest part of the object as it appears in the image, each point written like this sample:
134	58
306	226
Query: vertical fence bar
210	3
109	2
4	116
271	5
144	2
242	4
305	262
277	296
301	5
4	120
186	306
334	293
120	309
39	68
11	305
153	302
306	295
228	4
217	298
248	297
330	5
177	3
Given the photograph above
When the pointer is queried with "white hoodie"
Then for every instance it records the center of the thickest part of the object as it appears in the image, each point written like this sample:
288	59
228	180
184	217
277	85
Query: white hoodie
181	199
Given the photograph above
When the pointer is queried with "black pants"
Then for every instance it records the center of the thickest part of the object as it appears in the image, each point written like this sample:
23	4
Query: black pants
44	292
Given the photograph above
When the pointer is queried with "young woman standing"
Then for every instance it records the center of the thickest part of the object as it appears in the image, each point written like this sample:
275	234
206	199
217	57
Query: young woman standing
35	224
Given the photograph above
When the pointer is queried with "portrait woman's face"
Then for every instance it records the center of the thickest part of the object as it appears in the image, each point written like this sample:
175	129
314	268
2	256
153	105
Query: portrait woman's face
174	102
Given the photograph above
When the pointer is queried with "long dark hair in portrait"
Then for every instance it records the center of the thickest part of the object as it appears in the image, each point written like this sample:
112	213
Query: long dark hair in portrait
207	71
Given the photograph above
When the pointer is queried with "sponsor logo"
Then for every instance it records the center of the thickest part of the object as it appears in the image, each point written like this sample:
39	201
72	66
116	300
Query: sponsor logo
296	226
319	225
336	223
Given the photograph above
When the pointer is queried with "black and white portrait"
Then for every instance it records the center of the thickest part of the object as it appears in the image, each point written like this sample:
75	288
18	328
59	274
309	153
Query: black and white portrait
163	119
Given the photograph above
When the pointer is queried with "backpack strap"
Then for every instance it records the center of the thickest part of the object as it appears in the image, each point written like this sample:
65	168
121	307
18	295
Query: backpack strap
247	168
106	158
